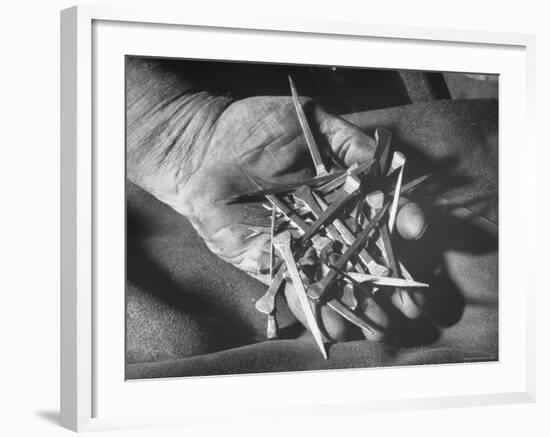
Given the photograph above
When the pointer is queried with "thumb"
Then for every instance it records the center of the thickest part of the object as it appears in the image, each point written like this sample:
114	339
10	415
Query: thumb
351	145
347	142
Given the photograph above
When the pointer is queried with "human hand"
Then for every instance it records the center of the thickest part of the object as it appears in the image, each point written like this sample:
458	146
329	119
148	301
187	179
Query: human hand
260	137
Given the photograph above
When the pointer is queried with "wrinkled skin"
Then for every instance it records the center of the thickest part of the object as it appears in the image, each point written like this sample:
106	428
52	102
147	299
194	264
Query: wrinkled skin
193	151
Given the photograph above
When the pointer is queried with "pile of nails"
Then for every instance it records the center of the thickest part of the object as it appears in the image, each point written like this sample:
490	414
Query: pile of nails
333	233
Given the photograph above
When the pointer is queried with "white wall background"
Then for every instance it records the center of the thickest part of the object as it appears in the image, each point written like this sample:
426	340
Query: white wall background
29	216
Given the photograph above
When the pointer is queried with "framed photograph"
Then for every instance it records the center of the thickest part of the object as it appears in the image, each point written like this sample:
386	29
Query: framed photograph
285	217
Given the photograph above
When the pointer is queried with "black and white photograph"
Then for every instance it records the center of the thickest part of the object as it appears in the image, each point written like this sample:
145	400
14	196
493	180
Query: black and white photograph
284	218
291	218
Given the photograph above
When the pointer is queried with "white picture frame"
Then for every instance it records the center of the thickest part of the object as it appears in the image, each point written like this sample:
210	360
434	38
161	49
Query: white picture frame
92	392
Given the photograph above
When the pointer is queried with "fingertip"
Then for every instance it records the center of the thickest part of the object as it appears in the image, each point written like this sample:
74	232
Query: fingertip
335	326
374	335
410	303
332	324
411	221
377	319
